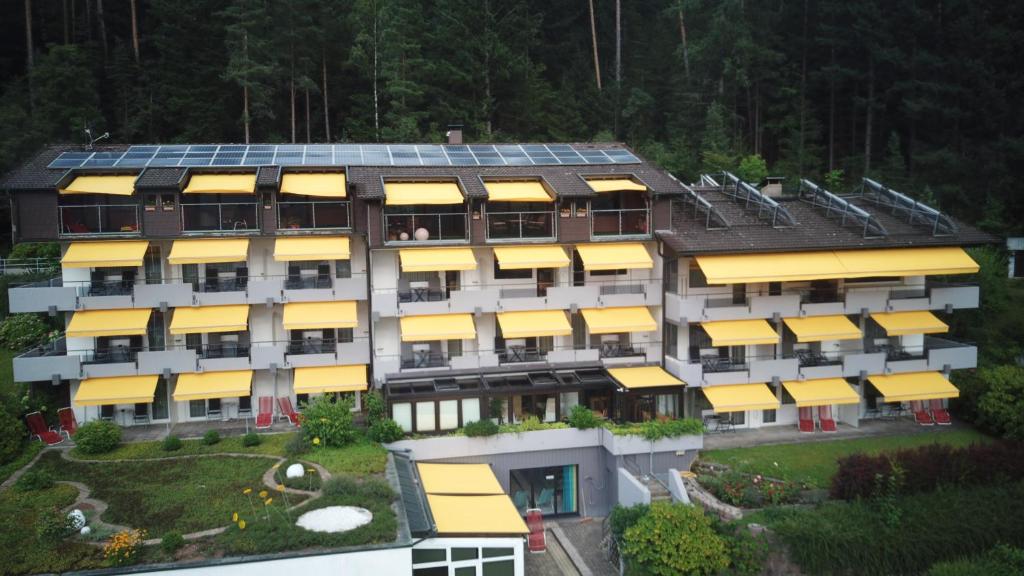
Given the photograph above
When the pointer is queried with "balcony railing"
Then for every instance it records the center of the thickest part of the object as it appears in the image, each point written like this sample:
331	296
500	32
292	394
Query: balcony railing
113	355
620	222
520	225
312	346
424	360
99	219
219	217
438	227
223	350
312	215
111	288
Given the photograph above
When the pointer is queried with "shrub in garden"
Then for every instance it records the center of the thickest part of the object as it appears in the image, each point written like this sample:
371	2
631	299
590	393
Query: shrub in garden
34	480
171	542
211	437
329	421
171	444
747	553
480	428
52	526
339	486
378	488
376	409
20	331
385	430
123	547
622	517
251	439
674	539
97	437
671	428
1000	560
297	445
583	418
12	437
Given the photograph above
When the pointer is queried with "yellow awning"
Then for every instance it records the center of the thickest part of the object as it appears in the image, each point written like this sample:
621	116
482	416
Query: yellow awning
740	332
615	185
534	324
616	320
903	323
207	385
614	256
209	251
914	386
819	328
475	515
822	392
907	261
741	397
459	479
221	184
438	327
204	319
127	253
320	315
116	390
112	184
436	259
293	248
320	184
521	191
118	322
320	379
412	193
525	257
644	377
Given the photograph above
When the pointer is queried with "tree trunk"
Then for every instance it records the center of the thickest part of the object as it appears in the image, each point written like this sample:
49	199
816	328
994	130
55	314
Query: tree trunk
869	116
327	115
291	92
682	38
832	111
28	33
618	42
593	39
67	21
103	27
803	96
88	20
308	136
376	102
135	33
245	85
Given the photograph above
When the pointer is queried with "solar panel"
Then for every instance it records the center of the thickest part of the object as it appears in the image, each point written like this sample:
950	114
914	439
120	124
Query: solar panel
226	155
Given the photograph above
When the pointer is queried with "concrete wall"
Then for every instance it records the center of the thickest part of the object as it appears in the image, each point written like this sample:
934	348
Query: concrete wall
388	561
631	491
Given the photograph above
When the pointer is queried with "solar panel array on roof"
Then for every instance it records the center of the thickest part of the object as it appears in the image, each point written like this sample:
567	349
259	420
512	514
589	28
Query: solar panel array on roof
227	155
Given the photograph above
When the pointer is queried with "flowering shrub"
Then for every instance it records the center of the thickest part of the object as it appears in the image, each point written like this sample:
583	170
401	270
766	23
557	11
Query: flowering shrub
674	539
124	547
748	491
329	420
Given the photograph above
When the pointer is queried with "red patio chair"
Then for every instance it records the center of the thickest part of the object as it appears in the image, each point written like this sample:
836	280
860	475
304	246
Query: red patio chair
68	422
265	417
285	405
40	430
939	414
921	416
537	540
806	419
825	420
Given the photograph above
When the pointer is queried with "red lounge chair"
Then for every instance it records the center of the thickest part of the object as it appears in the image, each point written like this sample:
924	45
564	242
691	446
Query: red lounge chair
806	420
265	417
68	423
537	541
285	405
39	429
825	420
939	414
921	416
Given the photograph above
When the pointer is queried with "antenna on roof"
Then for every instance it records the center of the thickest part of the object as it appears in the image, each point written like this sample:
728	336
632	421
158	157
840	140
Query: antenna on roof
88	134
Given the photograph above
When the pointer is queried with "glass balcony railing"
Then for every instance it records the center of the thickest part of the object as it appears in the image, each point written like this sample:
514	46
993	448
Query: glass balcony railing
221	217
520	225
312	346
438	227
312	215
620	222
99	219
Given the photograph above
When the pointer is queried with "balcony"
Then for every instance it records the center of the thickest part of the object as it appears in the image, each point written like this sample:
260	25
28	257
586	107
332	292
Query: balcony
437	360
615	223
532	225
935	354
47	362
817	365
410	228
99	219
220	217
312	215
323	352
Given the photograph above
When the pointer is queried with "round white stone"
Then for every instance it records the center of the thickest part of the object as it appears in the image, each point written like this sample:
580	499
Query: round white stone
76	519
85	531
335	519
295	471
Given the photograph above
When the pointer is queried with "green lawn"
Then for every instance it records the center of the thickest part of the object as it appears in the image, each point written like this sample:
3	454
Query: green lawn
814	463
270	444
360	458
23	551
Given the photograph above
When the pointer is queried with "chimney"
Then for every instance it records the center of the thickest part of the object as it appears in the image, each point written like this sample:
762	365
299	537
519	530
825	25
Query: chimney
454	134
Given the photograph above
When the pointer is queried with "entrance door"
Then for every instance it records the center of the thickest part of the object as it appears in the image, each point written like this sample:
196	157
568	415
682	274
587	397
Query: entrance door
553	490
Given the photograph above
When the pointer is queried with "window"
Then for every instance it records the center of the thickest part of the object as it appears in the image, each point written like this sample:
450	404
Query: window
431	571
671	278
498	552
697	277
342	268
449	414
149	202
454	348
345	335
616	272
167	202
470	410
738	418
775	288
566	401
665	405
196	408
301	400
425	421
671	339
465	571
579	331
428	555
401	412
499	568
500	274
768	416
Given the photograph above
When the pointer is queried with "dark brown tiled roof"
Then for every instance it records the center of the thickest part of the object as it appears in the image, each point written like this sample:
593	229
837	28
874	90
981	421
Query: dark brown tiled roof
814	231
34	175
159	178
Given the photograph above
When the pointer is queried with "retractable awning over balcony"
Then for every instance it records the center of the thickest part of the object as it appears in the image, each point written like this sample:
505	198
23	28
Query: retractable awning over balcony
534	324
209	251
741	332
822	392
518	191
914	386
412	193
118	322
438	327
207	385
206	319
436	259
907	261
321	379
618	320
475	515
819	328
116	390
319	184
112	184
529	257
309	248
904	323
115	254
644	377
741	397
614	256
459	479
221	184
320	315
600	185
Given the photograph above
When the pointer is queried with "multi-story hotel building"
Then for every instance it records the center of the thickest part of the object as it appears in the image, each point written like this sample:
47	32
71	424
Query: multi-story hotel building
474	281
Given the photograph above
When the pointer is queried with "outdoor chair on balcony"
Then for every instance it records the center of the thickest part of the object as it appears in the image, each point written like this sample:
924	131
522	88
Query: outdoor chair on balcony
806	419
921	416
825	420
265	417
287	412
38	429
939	414
68	422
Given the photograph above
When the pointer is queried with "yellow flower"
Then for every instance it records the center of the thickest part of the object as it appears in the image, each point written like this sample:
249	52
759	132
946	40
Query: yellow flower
276	466
323	419
234	516
311	470
247	491
241	524
280	487
263	493
316	441
269	501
